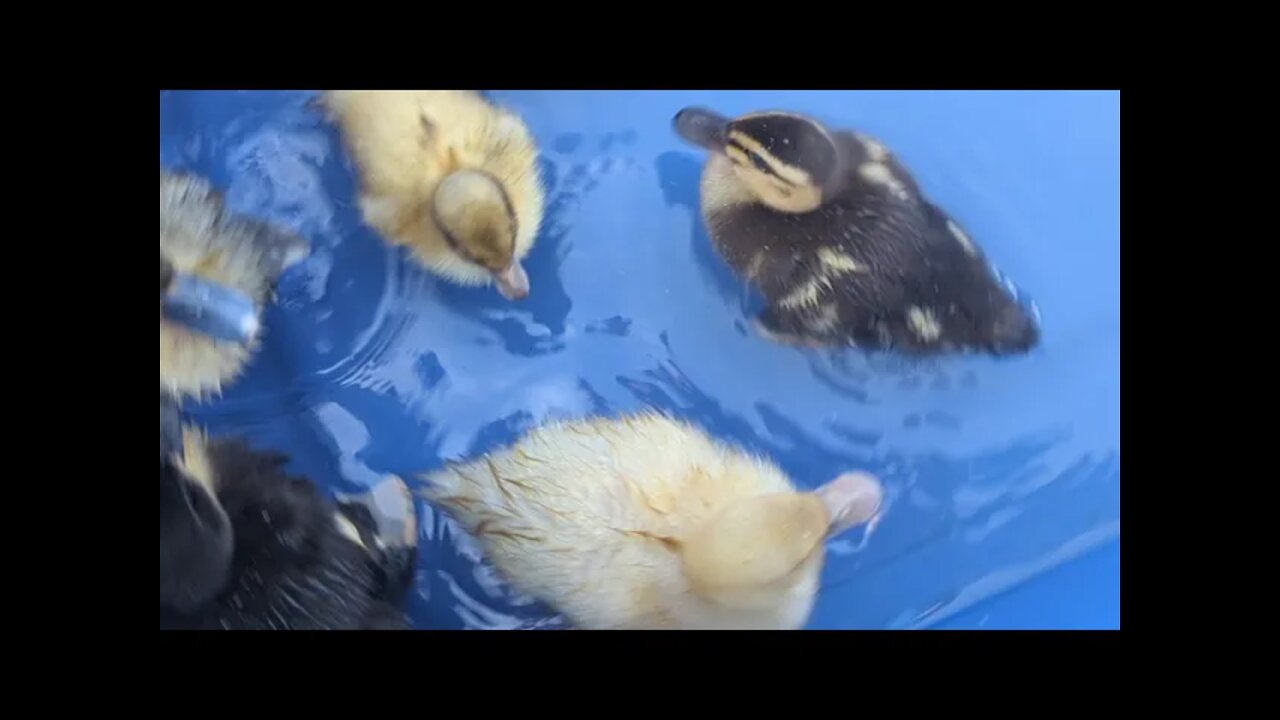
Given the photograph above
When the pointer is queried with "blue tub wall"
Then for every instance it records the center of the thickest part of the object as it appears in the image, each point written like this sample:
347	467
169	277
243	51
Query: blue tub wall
1082	594
996	470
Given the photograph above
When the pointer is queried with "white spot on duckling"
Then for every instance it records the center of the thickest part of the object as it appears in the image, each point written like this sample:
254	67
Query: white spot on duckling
347	528
924	323
807	294
838	262
961	237
875	150
880	174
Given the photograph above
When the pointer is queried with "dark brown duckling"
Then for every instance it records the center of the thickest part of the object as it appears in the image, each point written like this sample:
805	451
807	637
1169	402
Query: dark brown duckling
842	243
244	545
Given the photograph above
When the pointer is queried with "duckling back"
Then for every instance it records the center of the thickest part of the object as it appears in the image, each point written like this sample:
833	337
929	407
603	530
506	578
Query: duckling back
596	518
404	143
878	265
198	236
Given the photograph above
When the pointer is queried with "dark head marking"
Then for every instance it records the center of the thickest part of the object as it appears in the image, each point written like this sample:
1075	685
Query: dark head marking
793	140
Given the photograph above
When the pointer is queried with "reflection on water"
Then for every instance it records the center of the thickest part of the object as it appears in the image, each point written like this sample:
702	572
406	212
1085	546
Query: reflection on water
994	470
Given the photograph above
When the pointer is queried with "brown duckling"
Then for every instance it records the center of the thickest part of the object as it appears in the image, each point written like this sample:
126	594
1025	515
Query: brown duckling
842	243
245	545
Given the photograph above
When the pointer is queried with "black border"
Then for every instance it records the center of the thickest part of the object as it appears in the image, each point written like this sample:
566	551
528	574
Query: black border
769	47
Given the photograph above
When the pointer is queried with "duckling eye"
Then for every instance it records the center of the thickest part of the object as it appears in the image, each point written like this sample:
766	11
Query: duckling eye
759	162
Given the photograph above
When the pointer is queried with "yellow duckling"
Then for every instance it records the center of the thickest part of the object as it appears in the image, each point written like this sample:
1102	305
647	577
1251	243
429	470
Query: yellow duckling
647	523
217	270
448	174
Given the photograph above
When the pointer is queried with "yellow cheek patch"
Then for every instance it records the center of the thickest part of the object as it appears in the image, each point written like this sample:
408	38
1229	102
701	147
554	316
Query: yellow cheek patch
794	175
789	174
736	155
749	143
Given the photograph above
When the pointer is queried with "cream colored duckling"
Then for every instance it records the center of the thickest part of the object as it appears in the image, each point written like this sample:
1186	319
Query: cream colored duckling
449	175
217	271
647	523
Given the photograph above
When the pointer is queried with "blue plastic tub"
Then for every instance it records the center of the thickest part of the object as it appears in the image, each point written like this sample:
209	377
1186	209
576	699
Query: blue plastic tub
1001	475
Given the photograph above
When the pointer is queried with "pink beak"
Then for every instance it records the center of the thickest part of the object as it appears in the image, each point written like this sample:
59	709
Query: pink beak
513	283
851	499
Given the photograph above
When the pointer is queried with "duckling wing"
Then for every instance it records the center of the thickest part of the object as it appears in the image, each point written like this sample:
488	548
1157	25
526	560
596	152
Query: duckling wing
946	236
860	268
895	210
867	257
873	165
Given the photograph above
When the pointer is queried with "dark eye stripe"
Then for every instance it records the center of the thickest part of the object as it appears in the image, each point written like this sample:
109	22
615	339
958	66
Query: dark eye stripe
755	159
760	164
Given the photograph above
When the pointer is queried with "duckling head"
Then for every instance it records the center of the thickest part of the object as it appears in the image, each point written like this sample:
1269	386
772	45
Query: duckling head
475	216
790	162
763	554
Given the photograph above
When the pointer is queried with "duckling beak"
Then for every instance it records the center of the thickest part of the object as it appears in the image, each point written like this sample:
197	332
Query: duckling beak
210	309
513	283
851	499
701	127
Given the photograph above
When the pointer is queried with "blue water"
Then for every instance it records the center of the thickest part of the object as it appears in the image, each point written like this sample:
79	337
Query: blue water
996	470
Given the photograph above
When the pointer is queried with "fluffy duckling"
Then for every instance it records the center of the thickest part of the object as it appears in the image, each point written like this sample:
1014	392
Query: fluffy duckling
448	174
646	523
243	545
216	272
840	240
